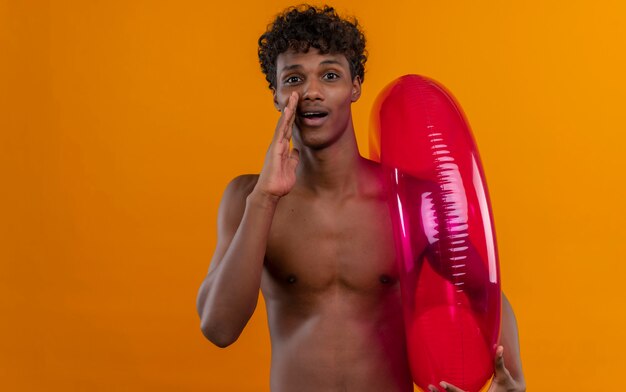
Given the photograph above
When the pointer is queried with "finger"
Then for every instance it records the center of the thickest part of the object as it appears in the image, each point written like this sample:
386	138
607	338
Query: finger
279	133
294	158
499	361
290	125
293	100
293	109
292	129
285	119
295	155
449	387
433	388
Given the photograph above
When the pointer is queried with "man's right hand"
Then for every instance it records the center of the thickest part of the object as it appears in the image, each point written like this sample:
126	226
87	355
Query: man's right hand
279	170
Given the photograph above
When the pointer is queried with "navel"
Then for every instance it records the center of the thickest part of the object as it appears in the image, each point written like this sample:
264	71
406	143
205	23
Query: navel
291	279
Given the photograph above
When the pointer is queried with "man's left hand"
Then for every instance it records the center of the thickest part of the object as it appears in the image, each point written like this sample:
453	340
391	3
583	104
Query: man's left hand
502	380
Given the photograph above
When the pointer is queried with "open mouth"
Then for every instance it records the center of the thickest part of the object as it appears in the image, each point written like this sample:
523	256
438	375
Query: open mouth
312	118
313	114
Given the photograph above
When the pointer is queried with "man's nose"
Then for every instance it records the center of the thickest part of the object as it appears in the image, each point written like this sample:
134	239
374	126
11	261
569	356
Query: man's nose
312	90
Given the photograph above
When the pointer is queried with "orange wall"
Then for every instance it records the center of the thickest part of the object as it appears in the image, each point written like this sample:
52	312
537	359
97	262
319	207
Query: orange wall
122	121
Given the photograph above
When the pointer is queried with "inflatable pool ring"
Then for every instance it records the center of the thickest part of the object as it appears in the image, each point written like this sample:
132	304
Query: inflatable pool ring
444	233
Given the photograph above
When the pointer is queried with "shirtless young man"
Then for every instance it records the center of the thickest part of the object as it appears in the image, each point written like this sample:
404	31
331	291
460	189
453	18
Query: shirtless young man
313	230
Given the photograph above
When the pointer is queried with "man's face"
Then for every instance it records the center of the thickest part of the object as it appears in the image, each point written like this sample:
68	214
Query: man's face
325	89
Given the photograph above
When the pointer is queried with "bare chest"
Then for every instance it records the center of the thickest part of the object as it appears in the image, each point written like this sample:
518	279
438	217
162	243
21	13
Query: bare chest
316	245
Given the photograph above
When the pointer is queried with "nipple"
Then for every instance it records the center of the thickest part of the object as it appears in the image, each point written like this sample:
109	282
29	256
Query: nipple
385	279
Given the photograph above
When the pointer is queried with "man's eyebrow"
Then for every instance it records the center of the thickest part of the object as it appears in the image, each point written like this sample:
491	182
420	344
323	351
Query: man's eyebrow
296	66
331	62
290	67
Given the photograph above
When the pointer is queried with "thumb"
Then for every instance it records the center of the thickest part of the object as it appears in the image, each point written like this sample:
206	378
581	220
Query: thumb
501	372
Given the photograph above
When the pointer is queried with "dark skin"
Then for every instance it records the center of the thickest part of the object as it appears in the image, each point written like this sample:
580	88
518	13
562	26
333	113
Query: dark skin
313	233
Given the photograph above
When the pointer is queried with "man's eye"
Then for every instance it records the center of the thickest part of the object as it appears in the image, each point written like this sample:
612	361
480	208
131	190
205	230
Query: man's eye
331	76
292	79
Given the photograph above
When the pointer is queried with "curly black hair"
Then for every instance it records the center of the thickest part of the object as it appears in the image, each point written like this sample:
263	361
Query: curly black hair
304	26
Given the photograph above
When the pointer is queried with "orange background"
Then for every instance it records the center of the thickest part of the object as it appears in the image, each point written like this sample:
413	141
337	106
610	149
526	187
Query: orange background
122	121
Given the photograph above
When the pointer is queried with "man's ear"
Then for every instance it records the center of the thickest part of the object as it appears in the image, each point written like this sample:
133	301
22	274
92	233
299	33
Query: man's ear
276	105
356	88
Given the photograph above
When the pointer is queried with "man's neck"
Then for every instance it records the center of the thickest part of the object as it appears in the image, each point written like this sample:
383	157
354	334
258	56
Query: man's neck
332	171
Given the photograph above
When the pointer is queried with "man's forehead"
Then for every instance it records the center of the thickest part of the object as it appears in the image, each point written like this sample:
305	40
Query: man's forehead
294	59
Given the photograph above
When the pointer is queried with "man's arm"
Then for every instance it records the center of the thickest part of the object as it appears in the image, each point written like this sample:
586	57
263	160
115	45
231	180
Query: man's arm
230	291
509	339
229	294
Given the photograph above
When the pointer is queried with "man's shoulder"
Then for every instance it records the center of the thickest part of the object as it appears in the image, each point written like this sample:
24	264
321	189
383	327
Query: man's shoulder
241	186
234	198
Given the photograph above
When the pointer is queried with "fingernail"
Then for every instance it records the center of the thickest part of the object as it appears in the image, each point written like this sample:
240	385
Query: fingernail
443	385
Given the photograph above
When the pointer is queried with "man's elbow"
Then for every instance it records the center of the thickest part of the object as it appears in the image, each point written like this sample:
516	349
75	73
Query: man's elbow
218	335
